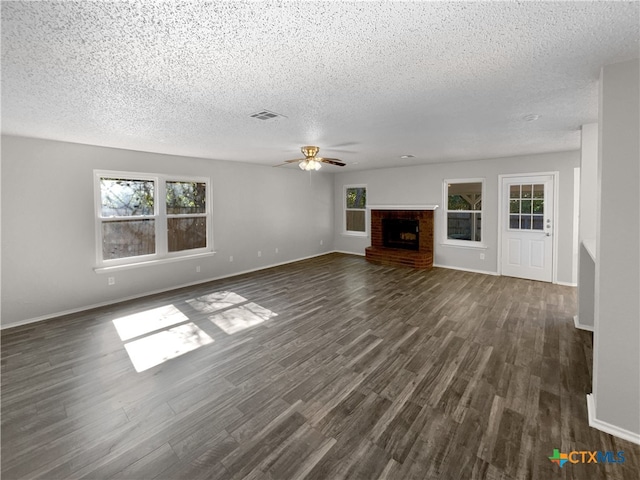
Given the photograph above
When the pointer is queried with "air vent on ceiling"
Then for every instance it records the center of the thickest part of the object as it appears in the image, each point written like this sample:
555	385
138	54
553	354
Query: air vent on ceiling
266	115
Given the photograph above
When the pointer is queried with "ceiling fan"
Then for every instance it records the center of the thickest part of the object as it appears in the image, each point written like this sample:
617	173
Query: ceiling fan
310	161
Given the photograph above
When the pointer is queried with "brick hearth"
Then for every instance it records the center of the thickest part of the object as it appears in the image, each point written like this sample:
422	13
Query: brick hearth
378	253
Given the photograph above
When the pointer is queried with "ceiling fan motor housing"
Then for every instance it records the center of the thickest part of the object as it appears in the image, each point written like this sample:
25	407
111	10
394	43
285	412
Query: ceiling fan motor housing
309	151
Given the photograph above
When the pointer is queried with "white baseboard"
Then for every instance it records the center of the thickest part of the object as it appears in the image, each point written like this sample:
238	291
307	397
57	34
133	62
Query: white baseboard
567	284
349	253
607	427
152	292
484	272
580	326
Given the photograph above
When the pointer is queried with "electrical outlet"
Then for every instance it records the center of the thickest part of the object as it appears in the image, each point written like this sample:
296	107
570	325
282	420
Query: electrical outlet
111	280
482	256
231	258
321	242
259	253
198	269
276	249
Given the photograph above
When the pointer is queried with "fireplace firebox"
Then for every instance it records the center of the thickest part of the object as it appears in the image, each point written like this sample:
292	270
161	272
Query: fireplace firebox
400	233
401	236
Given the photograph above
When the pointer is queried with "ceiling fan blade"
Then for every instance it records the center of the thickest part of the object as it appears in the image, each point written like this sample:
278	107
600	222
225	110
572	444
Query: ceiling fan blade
287	162
337	147
332	161
336	150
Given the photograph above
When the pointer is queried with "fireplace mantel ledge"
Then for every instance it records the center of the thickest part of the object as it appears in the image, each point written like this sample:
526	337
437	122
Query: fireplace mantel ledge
402	207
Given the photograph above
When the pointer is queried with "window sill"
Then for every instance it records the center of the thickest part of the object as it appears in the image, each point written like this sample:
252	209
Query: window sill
462	244
127	266
355	234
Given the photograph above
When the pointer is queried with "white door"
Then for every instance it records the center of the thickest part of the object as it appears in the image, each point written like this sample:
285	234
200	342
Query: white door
527	227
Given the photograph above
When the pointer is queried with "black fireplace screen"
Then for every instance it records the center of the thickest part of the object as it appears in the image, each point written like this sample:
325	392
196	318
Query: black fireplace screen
400	233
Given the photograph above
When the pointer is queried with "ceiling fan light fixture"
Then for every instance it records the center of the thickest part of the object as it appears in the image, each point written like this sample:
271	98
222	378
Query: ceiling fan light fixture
310	164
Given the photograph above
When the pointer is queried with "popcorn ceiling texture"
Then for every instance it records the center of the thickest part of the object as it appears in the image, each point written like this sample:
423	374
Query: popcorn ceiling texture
365	81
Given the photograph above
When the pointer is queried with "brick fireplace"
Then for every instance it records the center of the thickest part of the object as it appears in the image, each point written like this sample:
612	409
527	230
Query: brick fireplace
402	235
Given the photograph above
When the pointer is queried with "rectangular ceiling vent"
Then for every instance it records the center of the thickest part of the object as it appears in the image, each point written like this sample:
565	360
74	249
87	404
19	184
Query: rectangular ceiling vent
266	115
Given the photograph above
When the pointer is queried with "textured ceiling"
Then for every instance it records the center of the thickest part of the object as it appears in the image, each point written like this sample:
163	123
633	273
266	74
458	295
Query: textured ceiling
367	82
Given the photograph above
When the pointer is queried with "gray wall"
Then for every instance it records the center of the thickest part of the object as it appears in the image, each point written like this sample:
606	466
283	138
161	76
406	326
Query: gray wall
616	369
586	290
48	239
423	185
48	244
588	209
588	181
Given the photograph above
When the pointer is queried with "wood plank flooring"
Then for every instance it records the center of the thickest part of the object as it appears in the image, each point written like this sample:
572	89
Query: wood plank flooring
327	368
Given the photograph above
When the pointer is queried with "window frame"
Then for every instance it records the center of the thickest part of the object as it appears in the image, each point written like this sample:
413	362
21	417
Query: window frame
445	211
160	217
345	209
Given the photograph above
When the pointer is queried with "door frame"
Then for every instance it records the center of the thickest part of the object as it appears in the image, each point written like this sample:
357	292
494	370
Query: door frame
555	177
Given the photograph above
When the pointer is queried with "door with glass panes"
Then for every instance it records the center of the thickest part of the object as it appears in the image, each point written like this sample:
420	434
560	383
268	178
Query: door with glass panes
527	227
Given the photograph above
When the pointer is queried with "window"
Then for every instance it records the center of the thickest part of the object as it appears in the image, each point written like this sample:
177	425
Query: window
144	217
463	214
355	209
526	207
186	215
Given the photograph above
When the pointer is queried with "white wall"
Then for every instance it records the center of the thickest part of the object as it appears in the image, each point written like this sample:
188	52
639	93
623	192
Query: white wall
422	184
616	366
48	244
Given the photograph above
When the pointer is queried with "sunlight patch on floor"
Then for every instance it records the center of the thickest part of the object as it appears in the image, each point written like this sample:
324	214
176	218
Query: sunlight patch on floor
215	301
155	349
160	334
141	323
240	318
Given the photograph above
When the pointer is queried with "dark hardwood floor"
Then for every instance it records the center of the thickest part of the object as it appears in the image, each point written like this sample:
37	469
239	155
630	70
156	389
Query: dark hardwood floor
327	368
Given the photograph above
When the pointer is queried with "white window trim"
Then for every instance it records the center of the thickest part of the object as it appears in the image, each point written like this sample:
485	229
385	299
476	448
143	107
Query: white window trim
352	233
160	216
473	244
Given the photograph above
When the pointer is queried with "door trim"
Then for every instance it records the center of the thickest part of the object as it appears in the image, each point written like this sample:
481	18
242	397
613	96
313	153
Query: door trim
555	175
